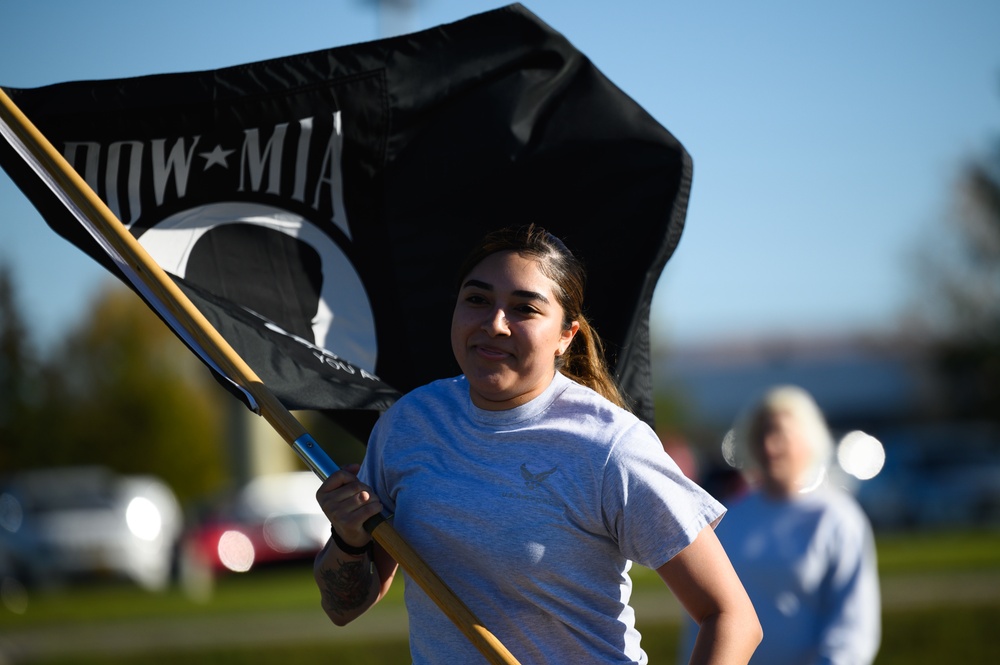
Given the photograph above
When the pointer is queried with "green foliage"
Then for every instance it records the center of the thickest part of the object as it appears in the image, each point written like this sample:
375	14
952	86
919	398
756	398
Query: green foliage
18	371
961	274
140	401
120	391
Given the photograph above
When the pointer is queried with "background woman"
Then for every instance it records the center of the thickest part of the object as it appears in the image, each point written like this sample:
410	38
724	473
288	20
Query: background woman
803	548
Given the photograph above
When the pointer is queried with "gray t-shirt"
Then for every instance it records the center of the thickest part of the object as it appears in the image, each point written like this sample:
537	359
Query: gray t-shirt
532	516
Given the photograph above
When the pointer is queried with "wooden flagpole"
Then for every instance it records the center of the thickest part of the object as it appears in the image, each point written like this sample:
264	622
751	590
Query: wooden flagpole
157	284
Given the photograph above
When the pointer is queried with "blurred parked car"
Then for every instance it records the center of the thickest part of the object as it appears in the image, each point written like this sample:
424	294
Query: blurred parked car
60	524
945	475
272	519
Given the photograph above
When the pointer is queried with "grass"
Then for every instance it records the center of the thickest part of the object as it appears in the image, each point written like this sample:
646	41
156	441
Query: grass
361	653
951	633
926	637
932	551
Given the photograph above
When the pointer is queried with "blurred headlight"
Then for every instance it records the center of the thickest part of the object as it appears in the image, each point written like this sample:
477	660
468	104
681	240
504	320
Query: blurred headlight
236	551
143	518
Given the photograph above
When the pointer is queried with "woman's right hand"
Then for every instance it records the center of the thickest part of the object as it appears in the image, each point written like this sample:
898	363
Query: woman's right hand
350	582
348	503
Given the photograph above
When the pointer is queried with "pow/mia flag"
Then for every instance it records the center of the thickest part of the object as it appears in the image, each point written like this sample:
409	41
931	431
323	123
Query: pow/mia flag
316	207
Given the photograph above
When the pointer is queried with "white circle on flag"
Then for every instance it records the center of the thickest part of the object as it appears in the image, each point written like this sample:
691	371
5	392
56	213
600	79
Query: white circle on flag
344	323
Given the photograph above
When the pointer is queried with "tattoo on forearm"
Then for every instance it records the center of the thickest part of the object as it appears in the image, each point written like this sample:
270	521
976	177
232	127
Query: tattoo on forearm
347	587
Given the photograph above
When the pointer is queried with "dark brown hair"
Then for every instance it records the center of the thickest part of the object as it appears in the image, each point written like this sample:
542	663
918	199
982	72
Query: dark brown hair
584	360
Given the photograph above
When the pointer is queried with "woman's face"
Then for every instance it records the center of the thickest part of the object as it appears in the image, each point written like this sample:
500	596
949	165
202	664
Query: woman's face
782	451
507	330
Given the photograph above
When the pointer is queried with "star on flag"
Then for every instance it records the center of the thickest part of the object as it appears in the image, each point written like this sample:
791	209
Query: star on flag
217	156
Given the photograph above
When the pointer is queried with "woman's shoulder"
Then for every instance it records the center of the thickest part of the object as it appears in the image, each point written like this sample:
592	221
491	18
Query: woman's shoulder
424	404
441	393
589	414
587	400
435	390
841	503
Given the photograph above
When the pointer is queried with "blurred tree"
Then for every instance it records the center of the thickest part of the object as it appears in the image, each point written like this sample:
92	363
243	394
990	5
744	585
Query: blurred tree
18	374
123	391
961	271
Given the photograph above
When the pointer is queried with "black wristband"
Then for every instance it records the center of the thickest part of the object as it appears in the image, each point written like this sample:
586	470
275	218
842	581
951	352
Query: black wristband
349	549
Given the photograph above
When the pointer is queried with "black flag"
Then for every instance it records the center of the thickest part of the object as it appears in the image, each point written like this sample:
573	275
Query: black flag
316	207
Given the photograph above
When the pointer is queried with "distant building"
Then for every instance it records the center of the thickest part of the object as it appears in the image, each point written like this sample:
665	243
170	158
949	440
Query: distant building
857	382
936	474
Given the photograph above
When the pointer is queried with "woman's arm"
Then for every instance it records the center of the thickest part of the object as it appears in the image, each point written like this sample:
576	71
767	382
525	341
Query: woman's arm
703	580
350	583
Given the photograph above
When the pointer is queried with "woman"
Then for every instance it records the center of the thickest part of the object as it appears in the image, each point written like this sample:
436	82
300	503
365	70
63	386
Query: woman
528	488
804	549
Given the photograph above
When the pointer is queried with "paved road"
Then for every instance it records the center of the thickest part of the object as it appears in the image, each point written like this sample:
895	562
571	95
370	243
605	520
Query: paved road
139	636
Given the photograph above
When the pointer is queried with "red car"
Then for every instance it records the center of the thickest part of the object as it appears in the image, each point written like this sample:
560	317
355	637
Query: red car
273	518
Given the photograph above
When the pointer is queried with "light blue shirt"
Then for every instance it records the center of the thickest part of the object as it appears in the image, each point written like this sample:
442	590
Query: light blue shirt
809	566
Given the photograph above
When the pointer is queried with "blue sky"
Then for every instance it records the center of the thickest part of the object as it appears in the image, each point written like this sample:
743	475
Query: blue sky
826	137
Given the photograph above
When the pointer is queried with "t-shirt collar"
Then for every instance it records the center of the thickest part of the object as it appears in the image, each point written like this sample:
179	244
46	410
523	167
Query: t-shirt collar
526	411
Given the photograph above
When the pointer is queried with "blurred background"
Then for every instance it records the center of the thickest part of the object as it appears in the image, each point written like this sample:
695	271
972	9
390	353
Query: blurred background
843	235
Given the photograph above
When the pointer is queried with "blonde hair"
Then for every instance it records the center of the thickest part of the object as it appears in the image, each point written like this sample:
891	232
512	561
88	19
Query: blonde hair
747	435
